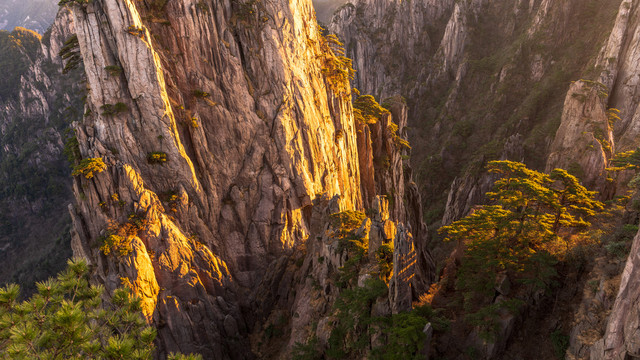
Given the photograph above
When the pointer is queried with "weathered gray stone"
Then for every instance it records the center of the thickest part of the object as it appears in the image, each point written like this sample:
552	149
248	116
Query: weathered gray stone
404	262
584	141
622	335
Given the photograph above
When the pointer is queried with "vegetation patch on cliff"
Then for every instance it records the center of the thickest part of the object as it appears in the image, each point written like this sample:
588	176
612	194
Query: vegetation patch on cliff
89	167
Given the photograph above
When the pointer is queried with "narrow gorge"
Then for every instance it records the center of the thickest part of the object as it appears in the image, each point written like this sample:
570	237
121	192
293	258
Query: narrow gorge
271	188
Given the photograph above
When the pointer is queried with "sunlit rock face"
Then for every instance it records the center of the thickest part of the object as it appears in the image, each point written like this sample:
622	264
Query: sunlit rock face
620	64
218	130
584	141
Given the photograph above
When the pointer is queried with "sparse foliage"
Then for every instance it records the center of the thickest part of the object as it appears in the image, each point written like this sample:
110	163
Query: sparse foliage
89	167
522	235
113	109
67	319
367	110
156	157
336	67
70	52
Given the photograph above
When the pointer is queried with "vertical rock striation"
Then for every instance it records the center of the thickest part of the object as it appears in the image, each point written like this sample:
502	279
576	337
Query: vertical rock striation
620	64
584	141
474	74
622	338
619	60
219	126
37	105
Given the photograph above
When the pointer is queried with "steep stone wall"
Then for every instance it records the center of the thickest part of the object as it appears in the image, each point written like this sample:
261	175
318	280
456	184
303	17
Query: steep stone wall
620	73
248	131
37	105
474	74
584	141
619	61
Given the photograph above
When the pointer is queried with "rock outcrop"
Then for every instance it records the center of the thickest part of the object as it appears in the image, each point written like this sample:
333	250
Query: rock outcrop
37	105
584	141
622	339
619	61
216	128
474	74
493	81
375	32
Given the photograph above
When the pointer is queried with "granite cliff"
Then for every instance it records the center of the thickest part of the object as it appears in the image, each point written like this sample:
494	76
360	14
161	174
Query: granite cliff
225	170
483	80
37	105
217	138
548	83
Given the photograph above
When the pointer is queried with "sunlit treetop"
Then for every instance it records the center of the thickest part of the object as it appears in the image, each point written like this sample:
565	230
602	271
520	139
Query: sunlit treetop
367	110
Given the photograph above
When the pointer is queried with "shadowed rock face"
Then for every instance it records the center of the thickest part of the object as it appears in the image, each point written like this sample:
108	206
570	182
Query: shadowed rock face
247	133
475	76
542	118
622	337
619	60
37	105
326	8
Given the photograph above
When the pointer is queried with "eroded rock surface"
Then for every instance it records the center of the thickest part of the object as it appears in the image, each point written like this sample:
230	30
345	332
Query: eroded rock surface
37	105
584	141
622	339
219	131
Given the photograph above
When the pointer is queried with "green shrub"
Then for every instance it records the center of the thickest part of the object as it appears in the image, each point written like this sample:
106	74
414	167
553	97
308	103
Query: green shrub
384	256
346	221
16	48
156	157
366	109
88	167
200	94
308	351
245	11
117	241
560	343
70	52
113	109
521	236
337	68
202	6
113	70
135	31
65	319
404	336
72	149
349	338
113	244
400	143
29	40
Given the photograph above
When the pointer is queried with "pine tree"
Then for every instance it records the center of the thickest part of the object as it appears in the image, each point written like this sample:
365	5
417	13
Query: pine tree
521	234
67	319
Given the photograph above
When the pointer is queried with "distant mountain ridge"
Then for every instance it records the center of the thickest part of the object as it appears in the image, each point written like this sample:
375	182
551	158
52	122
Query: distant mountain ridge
36	15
